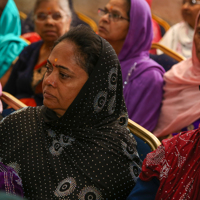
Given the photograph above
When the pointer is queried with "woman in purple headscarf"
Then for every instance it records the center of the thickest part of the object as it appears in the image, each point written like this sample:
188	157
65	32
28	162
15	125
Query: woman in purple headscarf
127	26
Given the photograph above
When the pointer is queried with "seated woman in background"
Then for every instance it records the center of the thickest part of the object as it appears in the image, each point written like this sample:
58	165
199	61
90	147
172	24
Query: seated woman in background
172	171
180	36
28	24
52	20
11	44
75	146
126	25
181	100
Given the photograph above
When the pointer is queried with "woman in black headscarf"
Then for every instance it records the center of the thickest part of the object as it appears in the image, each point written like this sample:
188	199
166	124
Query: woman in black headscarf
77	145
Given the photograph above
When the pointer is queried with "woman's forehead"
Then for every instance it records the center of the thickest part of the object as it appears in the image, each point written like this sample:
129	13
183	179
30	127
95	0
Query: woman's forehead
50	4
64	53
117	5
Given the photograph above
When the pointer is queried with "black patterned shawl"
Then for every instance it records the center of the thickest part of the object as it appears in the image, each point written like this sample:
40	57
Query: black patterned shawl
88	153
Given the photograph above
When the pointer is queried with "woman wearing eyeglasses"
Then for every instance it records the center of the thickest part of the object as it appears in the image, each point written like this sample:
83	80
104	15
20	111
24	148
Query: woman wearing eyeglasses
172	171
127	26
52	19
180	36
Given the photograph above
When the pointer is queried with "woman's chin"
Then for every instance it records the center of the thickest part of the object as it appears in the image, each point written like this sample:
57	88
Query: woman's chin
102	34
48	104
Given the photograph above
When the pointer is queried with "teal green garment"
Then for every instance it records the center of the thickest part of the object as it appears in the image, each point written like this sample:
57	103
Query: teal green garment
11	44
5	196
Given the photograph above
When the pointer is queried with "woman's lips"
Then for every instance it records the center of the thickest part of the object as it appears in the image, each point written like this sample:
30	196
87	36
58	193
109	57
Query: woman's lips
48	95
50	32
102	29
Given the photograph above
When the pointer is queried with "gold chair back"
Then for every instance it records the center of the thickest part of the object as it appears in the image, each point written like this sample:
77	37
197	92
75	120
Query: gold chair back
88	20
161	22
22	15
144	134
168	51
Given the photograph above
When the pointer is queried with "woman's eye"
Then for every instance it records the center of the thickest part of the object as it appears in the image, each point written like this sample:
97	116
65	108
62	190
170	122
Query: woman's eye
48	69
115	15
64	76
56	16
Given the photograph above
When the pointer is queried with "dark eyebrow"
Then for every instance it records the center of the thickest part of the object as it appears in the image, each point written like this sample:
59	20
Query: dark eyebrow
60	66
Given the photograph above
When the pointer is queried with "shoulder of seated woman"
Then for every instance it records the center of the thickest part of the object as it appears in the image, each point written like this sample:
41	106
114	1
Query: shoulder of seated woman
29	49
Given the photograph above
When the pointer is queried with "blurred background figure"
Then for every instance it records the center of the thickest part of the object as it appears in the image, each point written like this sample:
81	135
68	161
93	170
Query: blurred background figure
180	106
10	43
180	36
29	26
131	35
52	19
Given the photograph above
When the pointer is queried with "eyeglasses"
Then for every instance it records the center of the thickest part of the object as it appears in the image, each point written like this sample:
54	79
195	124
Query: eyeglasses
43	16
112	16
191	2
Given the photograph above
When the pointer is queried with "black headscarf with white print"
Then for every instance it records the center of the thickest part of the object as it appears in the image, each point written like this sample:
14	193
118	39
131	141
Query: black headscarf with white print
88	153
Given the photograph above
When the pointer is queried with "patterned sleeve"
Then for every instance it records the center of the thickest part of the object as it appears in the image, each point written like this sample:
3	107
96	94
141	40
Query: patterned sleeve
153	164
10	182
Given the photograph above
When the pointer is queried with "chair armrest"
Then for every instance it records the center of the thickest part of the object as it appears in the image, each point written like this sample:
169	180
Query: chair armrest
144	134
161	22
168	51
88	20
12	101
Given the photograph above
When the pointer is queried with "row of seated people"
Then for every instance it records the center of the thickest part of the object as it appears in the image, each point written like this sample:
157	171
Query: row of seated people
26	77
138	70
141	75
56	148
36	56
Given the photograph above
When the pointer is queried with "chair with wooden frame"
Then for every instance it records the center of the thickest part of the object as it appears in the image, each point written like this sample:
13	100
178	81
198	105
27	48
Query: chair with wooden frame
12	102
88	20
168	58
22	15
146	141
164	26
168	51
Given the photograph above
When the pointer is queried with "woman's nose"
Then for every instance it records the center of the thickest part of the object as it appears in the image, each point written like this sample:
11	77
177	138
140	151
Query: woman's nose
49	19
51	79
105	18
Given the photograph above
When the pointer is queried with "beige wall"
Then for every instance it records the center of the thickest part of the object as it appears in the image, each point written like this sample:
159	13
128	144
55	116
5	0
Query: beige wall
25	5
166	9
169	10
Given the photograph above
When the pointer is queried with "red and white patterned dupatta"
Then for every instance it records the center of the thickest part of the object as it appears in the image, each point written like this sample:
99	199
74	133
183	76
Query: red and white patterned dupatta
176	163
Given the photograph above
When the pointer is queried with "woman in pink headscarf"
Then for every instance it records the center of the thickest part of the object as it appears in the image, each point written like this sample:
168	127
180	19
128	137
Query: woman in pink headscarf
181	104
